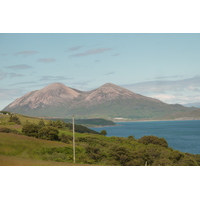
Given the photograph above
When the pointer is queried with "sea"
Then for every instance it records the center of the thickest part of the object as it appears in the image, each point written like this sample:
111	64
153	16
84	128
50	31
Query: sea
180	135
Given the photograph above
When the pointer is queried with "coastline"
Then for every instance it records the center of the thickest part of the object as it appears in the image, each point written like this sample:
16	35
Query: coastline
142	120
157	120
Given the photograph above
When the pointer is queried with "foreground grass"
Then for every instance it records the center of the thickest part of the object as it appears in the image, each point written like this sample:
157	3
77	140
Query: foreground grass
18	150
18	161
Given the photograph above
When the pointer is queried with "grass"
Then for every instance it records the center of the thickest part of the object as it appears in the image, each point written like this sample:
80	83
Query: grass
91	149
18	150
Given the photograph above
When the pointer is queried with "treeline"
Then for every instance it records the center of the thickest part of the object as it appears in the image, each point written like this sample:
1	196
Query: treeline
118	151
78	128
40	130
91	122
50	130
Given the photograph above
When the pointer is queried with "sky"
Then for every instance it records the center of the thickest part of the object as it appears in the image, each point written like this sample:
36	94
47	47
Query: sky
165	66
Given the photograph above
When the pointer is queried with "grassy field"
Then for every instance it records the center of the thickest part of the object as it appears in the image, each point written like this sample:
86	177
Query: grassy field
18	149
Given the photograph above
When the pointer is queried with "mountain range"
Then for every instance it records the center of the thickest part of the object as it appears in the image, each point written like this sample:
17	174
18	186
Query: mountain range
196	104
107	101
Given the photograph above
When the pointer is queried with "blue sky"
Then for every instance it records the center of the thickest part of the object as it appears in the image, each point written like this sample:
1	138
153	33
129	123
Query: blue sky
163	66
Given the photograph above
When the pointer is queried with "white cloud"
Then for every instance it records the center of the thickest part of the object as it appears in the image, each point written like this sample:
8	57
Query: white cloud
164	86
164	97
177	91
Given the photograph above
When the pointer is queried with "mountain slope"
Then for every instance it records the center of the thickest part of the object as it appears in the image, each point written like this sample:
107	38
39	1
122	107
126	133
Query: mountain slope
53	94
109	100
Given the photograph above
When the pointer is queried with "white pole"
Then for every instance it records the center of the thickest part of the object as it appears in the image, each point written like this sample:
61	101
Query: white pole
73	140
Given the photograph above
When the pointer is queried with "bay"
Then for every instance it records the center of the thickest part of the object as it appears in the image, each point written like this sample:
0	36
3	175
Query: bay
180	135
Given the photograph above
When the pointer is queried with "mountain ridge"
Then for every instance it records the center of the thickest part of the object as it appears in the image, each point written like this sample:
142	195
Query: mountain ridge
107	101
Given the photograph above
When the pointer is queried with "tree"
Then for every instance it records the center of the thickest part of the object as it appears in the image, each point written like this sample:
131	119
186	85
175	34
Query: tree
65	138
103	132
41	123
30	129
14	118
130	137
153	140
48	133
59	124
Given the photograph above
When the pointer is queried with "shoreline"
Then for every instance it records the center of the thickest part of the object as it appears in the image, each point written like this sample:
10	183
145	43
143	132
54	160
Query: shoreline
157	120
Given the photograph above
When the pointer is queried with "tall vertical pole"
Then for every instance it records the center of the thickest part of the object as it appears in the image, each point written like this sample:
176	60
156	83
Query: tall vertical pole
73	139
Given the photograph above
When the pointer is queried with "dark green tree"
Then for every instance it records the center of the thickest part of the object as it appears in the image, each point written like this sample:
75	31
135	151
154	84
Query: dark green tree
41	123
59	124
15	119
153	140
30	129
103	132
48	133
65	138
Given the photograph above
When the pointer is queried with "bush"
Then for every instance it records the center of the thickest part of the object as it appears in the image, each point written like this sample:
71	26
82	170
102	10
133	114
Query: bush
103	132
162	162
153	140
14	118
48	133
41	123
65	138
30	129
8	130
131	137
57	123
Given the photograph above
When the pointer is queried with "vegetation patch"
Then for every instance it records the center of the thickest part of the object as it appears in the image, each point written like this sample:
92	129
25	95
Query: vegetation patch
41	141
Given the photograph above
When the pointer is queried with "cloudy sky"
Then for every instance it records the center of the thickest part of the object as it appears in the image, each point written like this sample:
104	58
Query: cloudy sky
164	66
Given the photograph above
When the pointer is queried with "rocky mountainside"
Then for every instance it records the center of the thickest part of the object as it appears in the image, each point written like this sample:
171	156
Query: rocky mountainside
108	101
53	94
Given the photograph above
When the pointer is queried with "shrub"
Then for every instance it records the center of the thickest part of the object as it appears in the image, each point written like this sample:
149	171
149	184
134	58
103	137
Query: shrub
162	162
131	137
8	130
65	138
30	129
41	123
48	133
153	140
14	118
103	132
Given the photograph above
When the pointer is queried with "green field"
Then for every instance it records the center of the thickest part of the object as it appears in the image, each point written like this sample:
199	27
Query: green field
19	149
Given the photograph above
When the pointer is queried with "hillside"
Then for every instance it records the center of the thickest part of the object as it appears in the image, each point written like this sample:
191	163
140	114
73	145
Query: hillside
20	148
108	101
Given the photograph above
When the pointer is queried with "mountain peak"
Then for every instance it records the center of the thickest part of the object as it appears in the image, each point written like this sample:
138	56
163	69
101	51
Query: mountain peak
54	86
59	90
109	85
56	99
52	94
109	91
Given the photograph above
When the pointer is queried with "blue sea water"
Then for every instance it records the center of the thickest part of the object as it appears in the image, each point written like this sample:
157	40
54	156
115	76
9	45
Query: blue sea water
180	135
